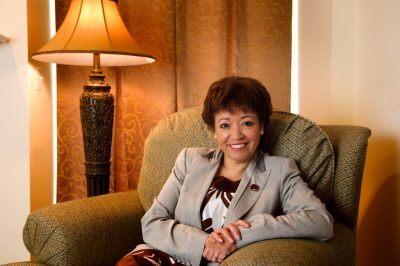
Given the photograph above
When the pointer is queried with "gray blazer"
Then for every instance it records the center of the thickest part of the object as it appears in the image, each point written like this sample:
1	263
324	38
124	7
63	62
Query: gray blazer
271	196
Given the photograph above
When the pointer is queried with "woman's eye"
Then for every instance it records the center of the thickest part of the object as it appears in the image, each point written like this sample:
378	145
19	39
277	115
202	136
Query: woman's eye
248	123
223	125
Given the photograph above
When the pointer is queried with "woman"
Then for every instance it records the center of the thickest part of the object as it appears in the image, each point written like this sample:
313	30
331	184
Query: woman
219	200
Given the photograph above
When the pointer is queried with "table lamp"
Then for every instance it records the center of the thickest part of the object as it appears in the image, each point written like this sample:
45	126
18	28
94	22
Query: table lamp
93	33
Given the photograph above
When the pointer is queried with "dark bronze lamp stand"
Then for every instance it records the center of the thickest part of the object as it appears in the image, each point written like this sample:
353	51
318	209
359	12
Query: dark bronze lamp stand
97	115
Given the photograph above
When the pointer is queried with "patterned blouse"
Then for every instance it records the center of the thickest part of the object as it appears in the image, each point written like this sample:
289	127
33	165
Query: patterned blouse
216	204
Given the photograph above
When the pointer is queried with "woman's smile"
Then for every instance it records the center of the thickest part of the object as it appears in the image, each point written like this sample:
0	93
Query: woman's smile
237	146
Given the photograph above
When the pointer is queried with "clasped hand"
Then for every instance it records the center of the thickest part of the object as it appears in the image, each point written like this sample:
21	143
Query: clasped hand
222	242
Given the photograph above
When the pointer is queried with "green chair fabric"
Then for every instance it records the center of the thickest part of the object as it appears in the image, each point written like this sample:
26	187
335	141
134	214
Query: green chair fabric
100	230
92	231
296	137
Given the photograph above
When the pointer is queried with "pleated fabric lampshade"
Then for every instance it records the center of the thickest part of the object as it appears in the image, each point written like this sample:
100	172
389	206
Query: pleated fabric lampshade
93	26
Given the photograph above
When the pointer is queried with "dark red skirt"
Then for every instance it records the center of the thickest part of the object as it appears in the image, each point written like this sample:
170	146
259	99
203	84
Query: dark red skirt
147	257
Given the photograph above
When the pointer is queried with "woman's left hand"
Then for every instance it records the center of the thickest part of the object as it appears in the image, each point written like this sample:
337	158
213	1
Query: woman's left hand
231	232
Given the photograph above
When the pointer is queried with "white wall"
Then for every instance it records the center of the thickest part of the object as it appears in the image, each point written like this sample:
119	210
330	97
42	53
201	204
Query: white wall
349	60
377	105
315	43
40	107
14	133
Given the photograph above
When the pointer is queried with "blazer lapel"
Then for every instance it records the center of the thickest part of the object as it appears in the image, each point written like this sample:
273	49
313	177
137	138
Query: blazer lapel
249	190
201	176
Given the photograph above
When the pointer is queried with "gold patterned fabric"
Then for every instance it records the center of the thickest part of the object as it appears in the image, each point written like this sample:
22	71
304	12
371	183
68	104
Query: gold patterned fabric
100	230
195	43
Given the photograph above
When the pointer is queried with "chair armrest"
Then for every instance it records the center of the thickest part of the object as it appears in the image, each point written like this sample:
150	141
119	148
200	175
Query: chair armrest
91	231
337	251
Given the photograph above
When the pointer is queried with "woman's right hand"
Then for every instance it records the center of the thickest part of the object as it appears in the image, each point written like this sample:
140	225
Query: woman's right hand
222	242
217	251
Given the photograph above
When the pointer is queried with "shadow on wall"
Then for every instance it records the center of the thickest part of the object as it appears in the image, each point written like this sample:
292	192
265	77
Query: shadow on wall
378	234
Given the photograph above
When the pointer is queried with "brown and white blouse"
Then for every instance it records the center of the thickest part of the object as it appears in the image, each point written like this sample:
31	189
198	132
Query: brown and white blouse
216	203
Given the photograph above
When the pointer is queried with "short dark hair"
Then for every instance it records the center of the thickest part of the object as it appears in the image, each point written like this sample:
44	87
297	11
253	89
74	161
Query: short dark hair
237	92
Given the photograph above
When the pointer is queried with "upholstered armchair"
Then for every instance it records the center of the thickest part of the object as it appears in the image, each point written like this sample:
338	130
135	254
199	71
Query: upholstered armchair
100	230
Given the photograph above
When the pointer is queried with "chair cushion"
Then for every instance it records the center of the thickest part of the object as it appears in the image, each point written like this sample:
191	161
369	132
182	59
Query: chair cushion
296	137
288	135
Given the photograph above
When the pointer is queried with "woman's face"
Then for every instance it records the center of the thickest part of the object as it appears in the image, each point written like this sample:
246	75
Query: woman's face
238	134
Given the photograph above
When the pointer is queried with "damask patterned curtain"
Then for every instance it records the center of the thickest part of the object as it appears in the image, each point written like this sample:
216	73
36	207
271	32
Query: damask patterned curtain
195	42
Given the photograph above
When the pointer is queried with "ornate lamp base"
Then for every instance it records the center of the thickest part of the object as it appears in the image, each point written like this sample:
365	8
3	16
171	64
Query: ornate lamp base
97	115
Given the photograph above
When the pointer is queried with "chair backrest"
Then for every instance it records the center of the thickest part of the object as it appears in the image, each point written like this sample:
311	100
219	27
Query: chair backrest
319	159
350	146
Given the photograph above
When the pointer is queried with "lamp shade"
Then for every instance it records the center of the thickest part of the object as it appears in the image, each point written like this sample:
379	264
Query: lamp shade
93	26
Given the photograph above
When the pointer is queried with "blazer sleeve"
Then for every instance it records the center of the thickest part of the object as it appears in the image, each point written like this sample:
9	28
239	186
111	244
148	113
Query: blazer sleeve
304	215
162	231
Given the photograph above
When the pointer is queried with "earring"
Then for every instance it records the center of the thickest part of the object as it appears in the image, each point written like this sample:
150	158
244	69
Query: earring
262	131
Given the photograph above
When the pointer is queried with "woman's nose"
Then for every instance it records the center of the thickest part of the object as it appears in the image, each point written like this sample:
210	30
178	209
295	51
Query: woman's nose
236	132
